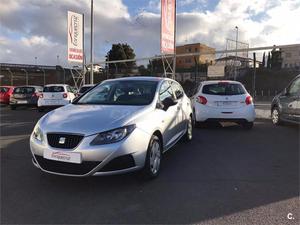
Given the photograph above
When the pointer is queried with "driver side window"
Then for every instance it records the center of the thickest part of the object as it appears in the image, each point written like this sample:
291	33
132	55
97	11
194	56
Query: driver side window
294	89
165	91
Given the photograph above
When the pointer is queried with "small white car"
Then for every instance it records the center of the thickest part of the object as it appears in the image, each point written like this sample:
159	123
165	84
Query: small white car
221	101
55	95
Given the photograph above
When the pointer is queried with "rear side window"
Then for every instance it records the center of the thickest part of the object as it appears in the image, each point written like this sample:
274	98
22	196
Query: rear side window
177	89
24	90
3	89
84	89
223	89
165	91
54	89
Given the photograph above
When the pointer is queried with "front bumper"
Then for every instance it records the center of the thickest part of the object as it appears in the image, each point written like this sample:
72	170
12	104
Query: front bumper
121	157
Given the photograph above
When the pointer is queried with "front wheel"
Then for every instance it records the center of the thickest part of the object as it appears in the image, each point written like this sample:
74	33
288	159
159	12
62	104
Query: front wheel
153	158
275	114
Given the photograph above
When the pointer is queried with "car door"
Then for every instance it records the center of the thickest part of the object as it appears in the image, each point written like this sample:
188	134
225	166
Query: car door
168	116
290	102
180	115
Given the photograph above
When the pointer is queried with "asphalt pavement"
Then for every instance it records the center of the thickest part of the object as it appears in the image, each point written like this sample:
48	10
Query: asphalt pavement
226	175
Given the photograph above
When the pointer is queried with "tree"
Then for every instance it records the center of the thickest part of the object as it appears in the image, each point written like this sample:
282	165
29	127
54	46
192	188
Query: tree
120	52
264	60
269	61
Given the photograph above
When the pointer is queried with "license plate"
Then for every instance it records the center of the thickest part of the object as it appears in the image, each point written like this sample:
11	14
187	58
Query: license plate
51	102
63	156
22	102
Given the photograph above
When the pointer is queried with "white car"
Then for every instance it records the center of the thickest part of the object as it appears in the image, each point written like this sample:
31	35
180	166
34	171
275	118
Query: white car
221	101
55	95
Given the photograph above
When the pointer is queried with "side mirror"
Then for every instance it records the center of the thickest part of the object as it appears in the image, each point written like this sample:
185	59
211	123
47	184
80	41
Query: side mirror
167	102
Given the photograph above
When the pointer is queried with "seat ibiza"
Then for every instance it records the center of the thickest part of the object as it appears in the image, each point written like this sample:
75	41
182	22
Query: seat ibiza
118	126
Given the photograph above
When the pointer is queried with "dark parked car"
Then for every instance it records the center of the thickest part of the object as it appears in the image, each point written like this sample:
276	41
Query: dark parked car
5	93
84	89
285	107
25	96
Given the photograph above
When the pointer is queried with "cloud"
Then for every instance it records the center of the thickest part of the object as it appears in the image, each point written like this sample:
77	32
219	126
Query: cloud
38	28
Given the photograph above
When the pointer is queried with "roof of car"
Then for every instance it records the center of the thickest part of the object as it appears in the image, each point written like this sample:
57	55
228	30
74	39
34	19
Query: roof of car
47	85
220	81
35	86
146	78
88	85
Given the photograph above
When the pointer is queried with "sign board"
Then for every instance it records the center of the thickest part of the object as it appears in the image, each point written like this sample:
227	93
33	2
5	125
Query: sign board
168	17
216	71
75	37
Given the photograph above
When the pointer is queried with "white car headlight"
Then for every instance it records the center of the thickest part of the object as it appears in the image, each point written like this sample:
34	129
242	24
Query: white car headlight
113	136
37	133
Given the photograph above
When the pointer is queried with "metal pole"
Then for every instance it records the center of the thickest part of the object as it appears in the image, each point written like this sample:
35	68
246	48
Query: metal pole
254	74
174	59
92	34
35	59
44	76
11	76
26	75
236	47
64	75
83	54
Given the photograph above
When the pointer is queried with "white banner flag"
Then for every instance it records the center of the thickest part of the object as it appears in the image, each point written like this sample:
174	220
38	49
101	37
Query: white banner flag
75	37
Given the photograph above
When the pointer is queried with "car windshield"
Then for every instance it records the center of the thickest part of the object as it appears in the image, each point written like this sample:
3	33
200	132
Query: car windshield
84	89
223	88
3	89
121	92
24	90
54	89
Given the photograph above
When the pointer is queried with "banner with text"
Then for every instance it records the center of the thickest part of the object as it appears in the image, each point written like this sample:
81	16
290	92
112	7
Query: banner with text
75	37
168	14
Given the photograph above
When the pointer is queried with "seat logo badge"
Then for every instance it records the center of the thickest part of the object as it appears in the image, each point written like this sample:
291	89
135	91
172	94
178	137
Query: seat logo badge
62	140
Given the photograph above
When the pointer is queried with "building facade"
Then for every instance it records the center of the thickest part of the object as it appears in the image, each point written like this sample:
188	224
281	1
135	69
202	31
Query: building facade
208	56
290	57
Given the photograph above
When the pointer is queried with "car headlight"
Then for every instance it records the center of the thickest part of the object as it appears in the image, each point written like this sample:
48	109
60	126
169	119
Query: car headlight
37	133
113	136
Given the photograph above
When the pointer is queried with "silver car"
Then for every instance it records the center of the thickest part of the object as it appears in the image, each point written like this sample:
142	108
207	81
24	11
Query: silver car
119	126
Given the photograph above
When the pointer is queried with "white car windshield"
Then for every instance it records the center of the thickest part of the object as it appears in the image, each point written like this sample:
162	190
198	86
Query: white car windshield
125	92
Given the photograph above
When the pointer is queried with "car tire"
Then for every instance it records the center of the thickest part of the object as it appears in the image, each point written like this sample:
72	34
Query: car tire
188	136
247	125
153	158
13	107
40	109
275	116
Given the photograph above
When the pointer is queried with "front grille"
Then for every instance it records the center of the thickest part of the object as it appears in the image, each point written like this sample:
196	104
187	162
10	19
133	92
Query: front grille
70	140
119	163
66	167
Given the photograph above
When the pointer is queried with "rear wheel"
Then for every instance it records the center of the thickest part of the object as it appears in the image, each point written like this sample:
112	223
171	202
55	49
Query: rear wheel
13	107
275	114
247	125
153	158
189	131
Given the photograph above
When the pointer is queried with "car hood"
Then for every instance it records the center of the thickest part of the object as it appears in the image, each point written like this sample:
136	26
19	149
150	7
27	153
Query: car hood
88	119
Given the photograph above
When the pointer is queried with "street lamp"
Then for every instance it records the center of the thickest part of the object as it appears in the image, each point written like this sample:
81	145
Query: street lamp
11	76
26	75
236	46
35	60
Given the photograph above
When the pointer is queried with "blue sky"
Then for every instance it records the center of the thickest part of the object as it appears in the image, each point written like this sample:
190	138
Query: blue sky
37	28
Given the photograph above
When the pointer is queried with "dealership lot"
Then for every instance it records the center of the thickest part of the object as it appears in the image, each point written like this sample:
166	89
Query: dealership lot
226	175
